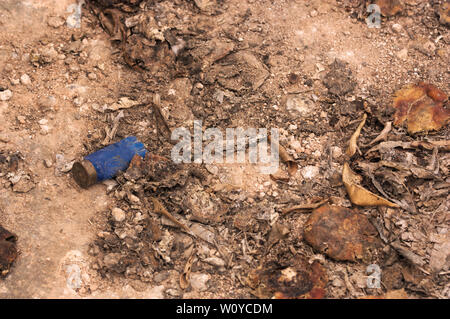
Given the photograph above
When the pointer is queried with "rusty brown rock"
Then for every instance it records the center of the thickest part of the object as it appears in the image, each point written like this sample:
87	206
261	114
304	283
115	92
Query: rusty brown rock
8	250
342	234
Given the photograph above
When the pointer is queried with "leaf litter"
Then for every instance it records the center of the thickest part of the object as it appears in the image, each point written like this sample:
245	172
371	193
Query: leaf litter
397	166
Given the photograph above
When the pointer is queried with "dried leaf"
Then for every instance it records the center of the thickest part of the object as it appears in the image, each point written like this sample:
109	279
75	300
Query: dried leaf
409	255
359	195
304	207
277	233
160	209
342	234
383	135
428	145
421	106
398	180
352	146
185	276
286	158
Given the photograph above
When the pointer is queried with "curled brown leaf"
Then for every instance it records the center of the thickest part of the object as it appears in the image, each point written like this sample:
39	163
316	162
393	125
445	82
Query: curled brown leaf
358	194
352	146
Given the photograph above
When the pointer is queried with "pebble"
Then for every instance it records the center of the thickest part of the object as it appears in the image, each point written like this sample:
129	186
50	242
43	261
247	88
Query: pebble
92	76
402	54
21	119
25	79
310	172
99	108
45	129
118	214
314	13
337	152
133	199
425	47
55	22
48	163
173	292
159	277
299	107
110	185
397	28
74	68
49	54
155	293
5	95
337	282
78	101
296	146
199	281
213	169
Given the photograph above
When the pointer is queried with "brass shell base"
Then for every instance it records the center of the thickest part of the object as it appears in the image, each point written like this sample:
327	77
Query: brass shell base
84	173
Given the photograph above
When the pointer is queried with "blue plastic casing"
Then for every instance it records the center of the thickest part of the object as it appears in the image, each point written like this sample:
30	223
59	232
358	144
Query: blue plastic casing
116	157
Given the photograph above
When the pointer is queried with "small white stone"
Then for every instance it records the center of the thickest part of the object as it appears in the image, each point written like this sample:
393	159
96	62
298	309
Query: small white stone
55	22
397	28
48	163
337	152
5	95
402	54
118	214
310	172
317	154
133	199
43	121
25	79
45	129
314	13
213	169
78	101
21	119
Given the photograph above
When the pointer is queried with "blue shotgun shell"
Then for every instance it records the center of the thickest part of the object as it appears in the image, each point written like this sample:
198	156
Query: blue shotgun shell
107	162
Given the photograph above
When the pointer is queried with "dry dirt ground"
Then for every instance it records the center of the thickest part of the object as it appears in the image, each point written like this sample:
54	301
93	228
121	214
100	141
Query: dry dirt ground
309	68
